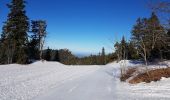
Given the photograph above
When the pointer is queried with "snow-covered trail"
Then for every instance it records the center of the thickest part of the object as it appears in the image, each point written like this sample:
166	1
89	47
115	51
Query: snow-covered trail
98	85
55	81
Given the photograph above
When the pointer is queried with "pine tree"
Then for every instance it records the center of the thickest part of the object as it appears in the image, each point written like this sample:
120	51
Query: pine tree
33	48
117	47
123	48
3	46
166	50
103	57
132	51
48	54
15	37
56	56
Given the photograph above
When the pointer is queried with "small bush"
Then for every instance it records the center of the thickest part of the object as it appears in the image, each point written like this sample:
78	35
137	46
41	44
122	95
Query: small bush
127	74
152	75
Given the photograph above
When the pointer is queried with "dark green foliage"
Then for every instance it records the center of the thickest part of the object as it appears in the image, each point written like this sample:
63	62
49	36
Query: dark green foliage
47	54
90	60
66	57
148	36
63	55
56	56
165	51
14	38
33	48
103	58
132	52
34	42
96	59
3	43
121	49
125	50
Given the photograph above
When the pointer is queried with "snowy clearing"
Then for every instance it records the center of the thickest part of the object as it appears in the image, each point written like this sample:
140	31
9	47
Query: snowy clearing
55	81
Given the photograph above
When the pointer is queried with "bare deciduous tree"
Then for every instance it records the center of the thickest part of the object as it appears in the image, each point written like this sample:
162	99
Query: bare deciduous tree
39	29
42	35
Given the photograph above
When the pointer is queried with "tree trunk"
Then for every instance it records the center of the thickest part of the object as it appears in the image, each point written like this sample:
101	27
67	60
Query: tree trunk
145	57
40	47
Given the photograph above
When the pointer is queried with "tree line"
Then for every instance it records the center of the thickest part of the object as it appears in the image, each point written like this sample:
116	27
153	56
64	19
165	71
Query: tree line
66	57
149	41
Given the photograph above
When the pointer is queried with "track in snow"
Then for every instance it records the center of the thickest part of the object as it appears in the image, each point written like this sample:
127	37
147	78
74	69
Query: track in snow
98	85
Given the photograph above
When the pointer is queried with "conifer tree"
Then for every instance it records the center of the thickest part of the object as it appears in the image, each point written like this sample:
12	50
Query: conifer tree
123	48
14	37
56	56
118	51
132	51
48	54
103	57
3	46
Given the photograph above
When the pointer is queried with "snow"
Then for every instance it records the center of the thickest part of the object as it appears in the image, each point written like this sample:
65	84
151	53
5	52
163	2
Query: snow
145	91
55	81
23	82
142	91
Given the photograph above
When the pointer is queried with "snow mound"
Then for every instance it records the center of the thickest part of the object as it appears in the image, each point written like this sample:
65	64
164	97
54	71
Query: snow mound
44	63
129	63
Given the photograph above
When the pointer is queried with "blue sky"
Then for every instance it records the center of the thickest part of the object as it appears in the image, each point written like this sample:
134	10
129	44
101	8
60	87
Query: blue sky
84	26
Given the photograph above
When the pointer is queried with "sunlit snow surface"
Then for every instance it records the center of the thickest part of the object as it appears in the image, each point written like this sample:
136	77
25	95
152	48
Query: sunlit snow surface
55	81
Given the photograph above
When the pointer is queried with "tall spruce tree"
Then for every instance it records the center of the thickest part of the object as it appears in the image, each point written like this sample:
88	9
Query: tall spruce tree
3	46
118	51
15	38
123	48
103	57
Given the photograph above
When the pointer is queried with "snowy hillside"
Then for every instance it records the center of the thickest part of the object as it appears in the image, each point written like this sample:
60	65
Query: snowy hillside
55	81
